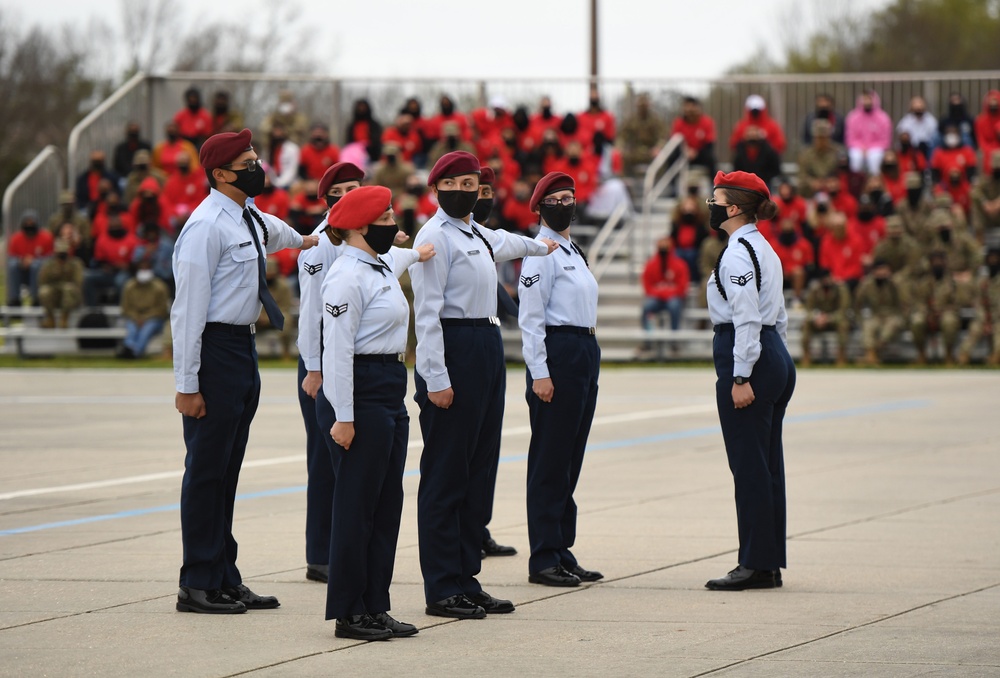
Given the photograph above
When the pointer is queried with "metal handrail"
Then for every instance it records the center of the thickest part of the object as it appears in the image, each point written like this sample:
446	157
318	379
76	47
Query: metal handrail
74	136
20	180
605	256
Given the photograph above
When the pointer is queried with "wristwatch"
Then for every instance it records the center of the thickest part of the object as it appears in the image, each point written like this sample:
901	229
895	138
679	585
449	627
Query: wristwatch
739	381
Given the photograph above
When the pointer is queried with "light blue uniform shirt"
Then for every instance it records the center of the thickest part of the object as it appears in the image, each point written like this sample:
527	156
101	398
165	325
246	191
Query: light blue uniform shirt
314	264
459	282
364	312
215	269
745	308
556	290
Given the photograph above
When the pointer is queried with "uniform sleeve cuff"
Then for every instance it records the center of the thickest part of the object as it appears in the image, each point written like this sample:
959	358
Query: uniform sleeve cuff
539	371
312	365
439	383
345	414
741	369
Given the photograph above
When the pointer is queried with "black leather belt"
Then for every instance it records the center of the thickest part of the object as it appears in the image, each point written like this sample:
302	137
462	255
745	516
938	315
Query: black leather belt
379	358
570	329
470	322
241	330
729	327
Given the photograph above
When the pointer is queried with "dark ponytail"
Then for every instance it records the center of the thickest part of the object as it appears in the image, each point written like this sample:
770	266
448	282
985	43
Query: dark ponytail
766	209
752	204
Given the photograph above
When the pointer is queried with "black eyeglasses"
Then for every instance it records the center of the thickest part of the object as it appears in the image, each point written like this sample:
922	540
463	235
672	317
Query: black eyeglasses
567	201
712	201
250	165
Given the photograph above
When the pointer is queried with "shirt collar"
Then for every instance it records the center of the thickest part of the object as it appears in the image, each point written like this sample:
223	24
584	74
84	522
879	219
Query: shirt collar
547	232
227	204
361	255
743	230
457	223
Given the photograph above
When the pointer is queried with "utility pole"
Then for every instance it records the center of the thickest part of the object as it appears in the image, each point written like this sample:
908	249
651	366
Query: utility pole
593	41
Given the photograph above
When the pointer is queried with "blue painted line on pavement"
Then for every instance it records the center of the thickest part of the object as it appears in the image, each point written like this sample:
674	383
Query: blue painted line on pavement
868	410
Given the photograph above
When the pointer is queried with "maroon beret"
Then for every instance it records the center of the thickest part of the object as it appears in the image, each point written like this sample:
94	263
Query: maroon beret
453	164
487	176
742	181
338	173
221	149
550	183
360	207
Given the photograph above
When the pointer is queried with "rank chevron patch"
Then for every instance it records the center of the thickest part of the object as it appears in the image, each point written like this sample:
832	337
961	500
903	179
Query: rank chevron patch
336	310
528	282
742	280
313	269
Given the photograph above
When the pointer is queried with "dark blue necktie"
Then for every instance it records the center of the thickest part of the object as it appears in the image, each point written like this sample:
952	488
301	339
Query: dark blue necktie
263	293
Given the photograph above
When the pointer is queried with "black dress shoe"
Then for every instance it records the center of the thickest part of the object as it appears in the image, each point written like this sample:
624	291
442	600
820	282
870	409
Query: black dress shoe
361	627
554	576
318	573
585	575
490	604
207	602
251	599
492	548
399	629
743	578
456	607
777	578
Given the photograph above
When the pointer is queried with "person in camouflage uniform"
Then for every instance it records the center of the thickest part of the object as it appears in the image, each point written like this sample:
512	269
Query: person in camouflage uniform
880	304
985	200
60	285
828	305
938	300
899	250
915	207
642	135
963	253
987	313
708	254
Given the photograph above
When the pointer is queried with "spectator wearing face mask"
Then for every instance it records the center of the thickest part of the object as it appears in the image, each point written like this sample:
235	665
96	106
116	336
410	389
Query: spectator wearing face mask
60	282
88	183
988	124
841	251
819	161
150	206
451	139
665	282
827	306
404	135
157	248
698	130
791	207
915	207
958	116
282	157
869	225
824	111
194	122
145	308
938	300
124	155
953	166
141	170
963	254
516	212
796	255
921	125
183	192
688	228
318	155
113	251
542	120
757	117
985	200
26	252
754	154
892	179
365	129
166	152
447	113
224	117
881	304
67	213
392	170
642	135
898	250
986	324
582	168
867	133
274	200
596	120
910	157
287	116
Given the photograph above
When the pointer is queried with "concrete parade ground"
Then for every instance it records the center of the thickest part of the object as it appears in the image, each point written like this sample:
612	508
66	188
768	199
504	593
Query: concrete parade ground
893	483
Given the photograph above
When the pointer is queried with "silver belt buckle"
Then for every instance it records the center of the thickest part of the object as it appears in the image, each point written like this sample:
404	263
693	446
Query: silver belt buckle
495	320
593	330
401	357
253	329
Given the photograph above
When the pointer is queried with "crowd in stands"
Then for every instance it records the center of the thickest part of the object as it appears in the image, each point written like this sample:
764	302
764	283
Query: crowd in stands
883	228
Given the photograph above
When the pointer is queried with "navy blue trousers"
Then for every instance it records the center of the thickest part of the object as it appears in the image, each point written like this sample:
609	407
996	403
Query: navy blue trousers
368	499
460	451
319	486
559	432
754	448
216	443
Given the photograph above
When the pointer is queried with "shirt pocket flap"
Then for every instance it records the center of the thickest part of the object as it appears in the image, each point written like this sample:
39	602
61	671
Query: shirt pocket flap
244	254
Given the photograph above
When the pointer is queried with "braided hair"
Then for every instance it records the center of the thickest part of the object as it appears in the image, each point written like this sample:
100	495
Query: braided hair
260	222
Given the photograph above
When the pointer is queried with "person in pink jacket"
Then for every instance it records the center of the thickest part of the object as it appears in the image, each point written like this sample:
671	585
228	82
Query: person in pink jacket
867	133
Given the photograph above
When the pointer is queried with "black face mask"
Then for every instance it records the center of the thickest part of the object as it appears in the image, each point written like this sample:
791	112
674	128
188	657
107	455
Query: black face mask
380	238
172	136
881	281
557	217
451	143
717	216
132	136
913	196
184	169
995	172
251	183
116	233
447	109
688	218
62	256
574	160
267	190
97	166
945	234
823	113
890	168
865	216
30	230
193	106
142	169
788	238
876	196
994	108
994	269
822	208
905	145
481	212
332	200
937	272
547	112
457	204
221	109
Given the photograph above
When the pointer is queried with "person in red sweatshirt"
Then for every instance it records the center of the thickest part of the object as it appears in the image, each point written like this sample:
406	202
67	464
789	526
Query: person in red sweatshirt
194	122
582	167
953	167
150	207
318	155
795	253
404	135
665	281
596	120
26	252
273	200
113	251
516	212
182	193
757	116
840	252
432	128
698	130
988	126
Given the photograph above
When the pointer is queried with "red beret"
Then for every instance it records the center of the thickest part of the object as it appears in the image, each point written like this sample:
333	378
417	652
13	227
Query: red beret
742	181
360	207
550	183
338	173
487	176
221	149
452	165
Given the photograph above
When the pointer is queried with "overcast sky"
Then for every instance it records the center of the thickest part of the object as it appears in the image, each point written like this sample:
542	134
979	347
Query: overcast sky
509	38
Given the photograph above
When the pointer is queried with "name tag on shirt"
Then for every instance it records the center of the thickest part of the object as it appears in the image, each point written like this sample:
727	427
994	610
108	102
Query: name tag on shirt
569	268
386	288
246	244
472	252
